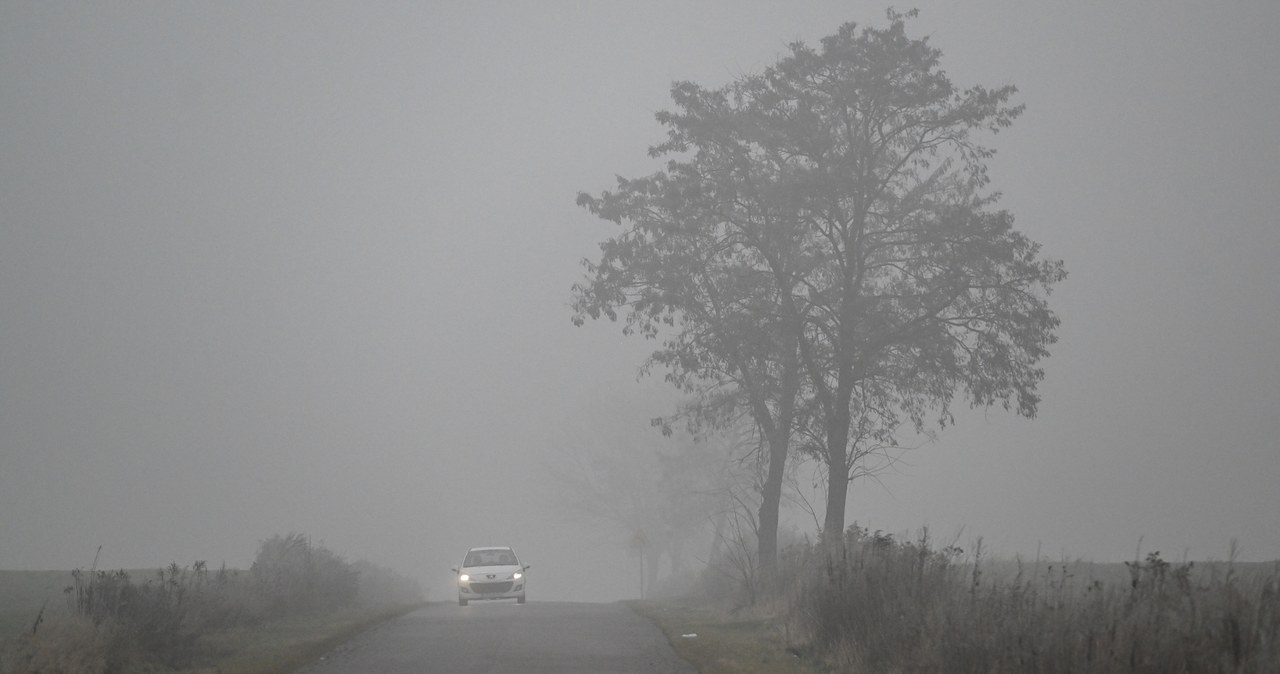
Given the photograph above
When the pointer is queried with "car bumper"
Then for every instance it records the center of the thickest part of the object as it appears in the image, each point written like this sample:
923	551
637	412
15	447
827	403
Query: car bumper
491	590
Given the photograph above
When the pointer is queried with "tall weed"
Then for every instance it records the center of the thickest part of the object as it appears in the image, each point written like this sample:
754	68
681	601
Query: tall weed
876	604
115	623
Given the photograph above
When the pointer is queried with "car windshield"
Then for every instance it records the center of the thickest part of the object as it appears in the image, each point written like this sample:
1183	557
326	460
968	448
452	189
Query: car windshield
490	557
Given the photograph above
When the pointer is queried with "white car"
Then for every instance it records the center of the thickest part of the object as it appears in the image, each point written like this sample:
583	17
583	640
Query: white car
491	573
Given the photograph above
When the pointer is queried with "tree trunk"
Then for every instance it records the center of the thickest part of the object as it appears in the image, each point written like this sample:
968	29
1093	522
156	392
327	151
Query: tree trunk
676	554
652	558
779	439
770	503
837	466
717	539
837	497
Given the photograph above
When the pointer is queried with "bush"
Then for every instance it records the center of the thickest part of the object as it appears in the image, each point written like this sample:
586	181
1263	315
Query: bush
113	622
296	577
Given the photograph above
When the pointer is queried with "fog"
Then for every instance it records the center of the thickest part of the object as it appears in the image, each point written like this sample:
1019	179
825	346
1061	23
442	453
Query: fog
306	267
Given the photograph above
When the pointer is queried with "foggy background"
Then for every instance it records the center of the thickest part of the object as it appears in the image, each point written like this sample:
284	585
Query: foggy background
268	268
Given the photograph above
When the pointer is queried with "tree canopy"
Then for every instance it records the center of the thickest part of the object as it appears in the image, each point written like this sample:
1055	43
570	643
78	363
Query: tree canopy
822	244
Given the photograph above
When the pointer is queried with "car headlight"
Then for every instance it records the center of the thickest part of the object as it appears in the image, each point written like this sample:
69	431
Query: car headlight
464	578
517	575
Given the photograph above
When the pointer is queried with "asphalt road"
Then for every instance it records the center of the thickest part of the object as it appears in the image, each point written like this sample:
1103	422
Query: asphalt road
501	637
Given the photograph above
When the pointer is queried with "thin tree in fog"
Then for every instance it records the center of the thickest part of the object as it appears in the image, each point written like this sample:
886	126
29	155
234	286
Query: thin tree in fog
665	498
849	185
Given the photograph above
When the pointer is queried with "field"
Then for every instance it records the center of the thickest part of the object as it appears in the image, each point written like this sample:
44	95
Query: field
23	593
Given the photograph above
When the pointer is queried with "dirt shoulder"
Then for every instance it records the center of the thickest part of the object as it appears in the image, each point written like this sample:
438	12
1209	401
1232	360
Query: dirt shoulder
717	642
283	646
277	646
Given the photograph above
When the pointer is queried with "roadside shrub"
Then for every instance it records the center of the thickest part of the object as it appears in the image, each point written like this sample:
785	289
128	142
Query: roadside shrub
717	585
162	616
295	577
733	576
113	623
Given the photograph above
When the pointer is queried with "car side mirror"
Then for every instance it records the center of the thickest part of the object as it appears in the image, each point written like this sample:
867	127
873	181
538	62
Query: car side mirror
528	566
455	569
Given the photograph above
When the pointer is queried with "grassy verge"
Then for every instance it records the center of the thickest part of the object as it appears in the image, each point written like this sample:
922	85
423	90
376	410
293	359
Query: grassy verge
724	644
284	645
880	605
295	602
274	646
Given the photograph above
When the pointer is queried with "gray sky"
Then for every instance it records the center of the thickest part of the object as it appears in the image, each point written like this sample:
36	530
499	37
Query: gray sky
305	267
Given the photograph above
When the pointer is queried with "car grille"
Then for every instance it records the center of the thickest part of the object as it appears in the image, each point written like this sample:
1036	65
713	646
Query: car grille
491	588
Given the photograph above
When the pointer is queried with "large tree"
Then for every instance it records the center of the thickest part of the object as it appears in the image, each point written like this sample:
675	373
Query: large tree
731	348
843	191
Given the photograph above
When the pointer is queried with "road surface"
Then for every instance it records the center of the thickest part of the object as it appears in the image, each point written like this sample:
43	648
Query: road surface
505	637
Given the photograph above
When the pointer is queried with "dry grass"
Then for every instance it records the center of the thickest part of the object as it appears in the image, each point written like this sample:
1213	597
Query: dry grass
880	605
69	644
296	600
